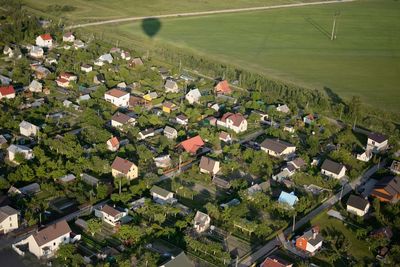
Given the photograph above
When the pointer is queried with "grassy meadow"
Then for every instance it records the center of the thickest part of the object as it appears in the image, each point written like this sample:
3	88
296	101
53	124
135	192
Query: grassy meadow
294	45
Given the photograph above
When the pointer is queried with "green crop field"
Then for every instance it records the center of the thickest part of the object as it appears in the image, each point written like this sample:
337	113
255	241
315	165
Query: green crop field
93	10
293	44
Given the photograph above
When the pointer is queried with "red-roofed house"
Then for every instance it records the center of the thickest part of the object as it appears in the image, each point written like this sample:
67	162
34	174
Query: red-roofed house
223	88
68	76
113	144
193	144
7	92
44	40
62	82
124	168
236	122
274	261
117	97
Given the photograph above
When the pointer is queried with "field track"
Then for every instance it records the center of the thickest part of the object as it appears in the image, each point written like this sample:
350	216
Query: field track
204	13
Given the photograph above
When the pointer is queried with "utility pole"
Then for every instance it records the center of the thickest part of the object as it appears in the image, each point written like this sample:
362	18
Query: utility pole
120	181
333	35
294	222
341	192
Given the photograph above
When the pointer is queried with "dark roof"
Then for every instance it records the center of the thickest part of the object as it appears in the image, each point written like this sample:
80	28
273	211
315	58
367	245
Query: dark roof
122	165
180	260
110	210
332	166
51	232
159	191
276	145
5	212
121	118
207	164
377	137
390	184
357	202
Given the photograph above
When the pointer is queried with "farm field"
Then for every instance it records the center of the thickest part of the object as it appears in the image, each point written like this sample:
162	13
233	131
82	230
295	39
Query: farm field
294	45
85	10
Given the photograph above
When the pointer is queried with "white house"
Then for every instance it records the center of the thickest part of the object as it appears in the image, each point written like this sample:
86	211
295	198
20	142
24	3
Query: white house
236	122
35	87
19	149
365	156
377	142
283	108
110	215
209	166
225	137
310	242
78	44
277	148
333	169
182	119
170	132
46	242
162	196
8	219
117	97
146	133
36	52
357	205
171	87
86	68
68	37
44	40
7	92
28	129
201	222
106	58
309	119
113	144
162	161
119	120
193	96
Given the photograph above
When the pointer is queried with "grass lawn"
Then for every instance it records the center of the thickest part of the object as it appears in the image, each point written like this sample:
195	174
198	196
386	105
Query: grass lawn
358	248
84	10
293	44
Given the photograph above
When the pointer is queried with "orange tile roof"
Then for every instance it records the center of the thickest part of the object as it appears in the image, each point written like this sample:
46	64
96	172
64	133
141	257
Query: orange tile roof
116	93
114	141
46	36
193	144
122	165
223	87
7	90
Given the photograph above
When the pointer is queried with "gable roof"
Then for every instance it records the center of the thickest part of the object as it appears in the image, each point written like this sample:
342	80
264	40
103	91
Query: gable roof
170	130
357	202
7	90
170	84
159	191
389	184
113	141
46	36
377	137
6	211
276	145
121	118
27	125
51	232
236	119
122	165
223	87
332	166
274	261
110	210
179	261
207	163
116	93
193	144
288	198
201	218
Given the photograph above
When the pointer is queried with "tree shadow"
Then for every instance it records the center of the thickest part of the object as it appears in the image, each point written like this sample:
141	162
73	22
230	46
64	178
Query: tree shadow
333	96
318	27
151	26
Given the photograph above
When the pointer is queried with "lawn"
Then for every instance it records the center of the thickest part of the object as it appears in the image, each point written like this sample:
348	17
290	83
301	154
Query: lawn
293	44
358	248
85	10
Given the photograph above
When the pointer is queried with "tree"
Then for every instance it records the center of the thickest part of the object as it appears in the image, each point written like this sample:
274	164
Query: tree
94	226
65	251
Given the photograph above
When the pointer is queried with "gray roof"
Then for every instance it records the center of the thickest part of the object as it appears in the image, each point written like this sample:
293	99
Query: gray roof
207	164
27	125
377	137
90	180
18	148
332	166
276	145
180	260
389	184
6	211
159	191
170	84
357	202
169	130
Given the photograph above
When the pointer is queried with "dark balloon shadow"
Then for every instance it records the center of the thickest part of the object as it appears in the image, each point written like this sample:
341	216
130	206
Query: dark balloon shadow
151	26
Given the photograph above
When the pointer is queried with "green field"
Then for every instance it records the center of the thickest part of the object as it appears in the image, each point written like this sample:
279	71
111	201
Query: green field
293	44
91	10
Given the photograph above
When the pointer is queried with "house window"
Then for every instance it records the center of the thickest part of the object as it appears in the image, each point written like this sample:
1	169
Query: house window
10	224
65	238
54	244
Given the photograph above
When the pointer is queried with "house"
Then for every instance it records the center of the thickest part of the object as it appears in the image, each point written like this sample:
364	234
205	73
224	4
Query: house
99	78
98	62
357	205
110	215
113	144
136	62
150	96
3	141
395	167
236	122
222	88
28	190
383	232
35	87
44	40
180	260
68	37
365	156
124	168
67	178
86	68
41	72
19	149
333	169
46	242
28	129
162	196
68	76
182	119
209	166
377	142
387	189
309	119
310	241
274	261
62	83
162	161
4	80
36	52
288	198
78	44
7	92
192	145
125	55
146	133
289	129
171	86
170	132
283	108
135	101
89	180
168	107
193	96
8	51
225	137
277	148
201	222
8	219
106	58
117	97
83	98
51	61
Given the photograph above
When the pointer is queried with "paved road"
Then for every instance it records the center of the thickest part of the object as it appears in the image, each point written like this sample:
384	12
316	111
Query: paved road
190	14
270	246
